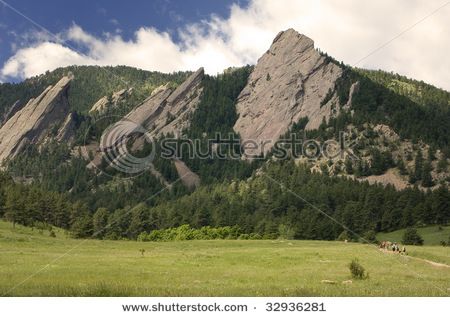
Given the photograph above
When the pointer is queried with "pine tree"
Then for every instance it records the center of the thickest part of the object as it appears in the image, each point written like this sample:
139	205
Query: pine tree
348	166
15	207
441	205
412	237
442	165
418	166
100	221
427	180
401	167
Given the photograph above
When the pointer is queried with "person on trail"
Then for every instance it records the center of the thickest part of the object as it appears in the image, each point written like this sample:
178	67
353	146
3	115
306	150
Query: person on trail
395	247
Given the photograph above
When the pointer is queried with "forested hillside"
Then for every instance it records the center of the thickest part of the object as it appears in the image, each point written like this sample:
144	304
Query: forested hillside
397	125
89	85
283	200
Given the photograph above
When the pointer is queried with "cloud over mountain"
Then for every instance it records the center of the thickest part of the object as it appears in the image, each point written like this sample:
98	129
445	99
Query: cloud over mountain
348	30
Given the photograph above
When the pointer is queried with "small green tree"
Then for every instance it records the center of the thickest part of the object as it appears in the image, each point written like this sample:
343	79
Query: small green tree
442	165
100	221
418	166
412	237
286	232
427	180
357	270
401	167
348	166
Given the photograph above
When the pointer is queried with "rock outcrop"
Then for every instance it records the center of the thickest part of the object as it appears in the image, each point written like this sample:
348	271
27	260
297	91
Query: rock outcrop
103	103
387	132
34	121
290	81
165	111
66	132
168	111
188	177
11	111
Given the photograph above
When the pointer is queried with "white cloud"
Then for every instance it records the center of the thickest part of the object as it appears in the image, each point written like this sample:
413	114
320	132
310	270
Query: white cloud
347	30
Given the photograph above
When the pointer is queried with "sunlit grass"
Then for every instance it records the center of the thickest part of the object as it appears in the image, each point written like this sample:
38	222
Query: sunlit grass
208	268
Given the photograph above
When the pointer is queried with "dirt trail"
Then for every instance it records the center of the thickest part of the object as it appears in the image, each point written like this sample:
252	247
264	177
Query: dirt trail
435	264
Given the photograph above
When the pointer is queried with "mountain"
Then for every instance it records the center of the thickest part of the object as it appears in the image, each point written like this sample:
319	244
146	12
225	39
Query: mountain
95	137
33	122
288	83
89	84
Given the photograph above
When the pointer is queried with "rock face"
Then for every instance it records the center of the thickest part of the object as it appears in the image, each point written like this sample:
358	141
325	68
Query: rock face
67	131
290	81
188	177
103	103
166	110
33	122
11	111
387	132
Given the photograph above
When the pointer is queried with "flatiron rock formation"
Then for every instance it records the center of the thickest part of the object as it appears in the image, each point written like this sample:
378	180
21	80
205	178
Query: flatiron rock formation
290	81
104	103
164	111
33	122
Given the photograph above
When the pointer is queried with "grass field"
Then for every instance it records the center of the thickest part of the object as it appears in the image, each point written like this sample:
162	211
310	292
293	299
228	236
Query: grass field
432	235
34	264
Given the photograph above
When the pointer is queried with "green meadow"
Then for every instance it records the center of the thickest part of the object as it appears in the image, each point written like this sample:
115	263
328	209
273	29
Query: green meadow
34	264
432	235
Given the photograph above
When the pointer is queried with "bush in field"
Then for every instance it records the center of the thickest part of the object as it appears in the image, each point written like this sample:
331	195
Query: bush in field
357	270
244	236
412	237
185	232
286	232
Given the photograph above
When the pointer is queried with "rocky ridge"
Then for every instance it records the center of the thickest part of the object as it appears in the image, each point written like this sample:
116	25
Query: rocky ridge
33	122
290	81
105	102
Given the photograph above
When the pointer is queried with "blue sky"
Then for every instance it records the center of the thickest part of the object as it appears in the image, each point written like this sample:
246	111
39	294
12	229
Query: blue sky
403	36
99	17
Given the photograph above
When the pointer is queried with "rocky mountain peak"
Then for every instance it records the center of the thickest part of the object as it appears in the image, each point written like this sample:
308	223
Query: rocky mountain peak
293	40
32	123
289	82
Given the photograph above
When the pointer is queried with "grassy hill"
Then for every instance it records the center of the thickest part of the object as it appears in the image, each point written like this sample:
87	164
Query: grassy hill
35	264
432	235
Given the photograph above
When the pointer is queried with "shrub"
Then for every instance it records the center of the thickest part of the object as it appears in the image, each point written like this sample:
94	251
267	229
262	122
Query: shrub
286	232
185	232
412	237
357	270
255	236
244	236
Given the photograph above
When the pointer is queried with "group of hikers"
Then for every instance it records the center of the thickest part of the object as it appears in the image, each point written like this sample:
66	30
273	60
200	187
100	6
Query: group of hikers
392	246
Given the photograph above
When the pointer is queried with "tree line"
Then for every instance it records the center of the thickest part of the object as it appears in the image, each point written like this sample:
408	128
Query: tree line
305	206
